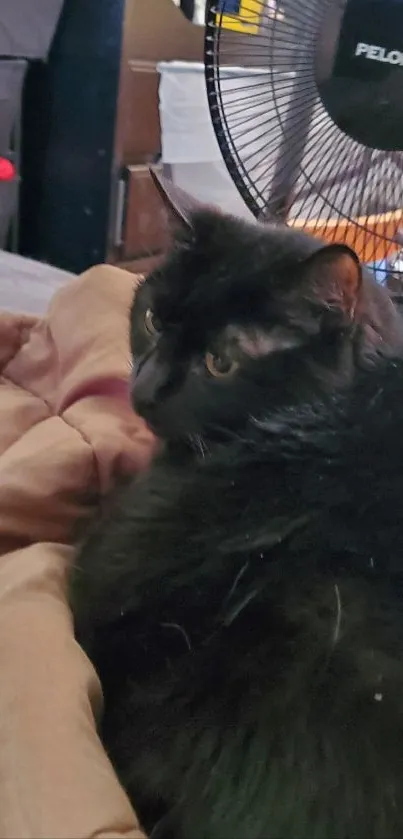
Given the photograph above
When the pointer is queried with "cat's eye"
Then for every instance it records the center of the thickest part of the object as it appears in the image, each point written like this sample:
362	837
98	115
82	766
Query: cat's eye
151	323
220	365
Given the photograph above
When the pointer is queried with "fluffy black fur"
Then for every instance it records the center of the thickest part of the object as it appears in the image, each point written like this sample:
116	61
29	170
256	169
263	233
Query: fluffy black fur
243	601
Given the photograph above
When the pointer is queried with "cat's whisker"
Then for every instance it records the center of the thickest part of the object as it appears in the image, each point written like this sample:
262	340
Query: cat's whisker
239	608
198	444
336	633
204	445
182	631
193	442
236	581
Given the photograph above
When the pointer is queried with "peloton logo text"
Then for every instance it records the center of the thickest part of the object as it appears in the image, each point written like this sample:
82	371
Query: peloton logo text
374	53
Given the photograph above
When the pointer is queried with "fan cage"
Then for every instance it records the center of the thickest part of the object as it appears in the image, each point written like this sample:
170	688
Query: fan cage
358	199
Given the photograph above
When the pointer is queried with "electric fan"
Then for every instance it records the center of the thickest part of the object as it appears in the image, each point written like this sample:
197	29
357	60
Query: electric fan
306	99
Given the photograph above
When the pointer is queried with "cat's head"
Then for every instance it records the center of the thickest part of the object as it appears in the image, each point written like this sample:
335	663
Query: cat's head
239	319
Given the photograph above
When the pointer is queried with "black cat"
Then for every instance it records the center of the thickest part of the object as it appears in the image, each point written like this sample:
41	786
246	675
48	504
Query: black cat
243	601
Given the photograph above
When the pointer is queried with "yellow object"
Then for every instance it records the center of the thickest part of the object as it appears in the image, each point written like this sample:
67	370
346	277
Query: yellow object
246	19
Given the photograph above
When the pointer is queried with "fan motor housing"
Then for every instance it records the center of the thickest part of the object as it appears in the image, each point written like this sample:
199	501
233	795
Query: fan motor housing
359	70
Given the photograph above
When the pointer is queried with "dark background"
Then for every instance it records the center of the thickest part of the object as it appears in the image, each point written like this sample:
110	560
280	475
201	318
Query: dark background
68	138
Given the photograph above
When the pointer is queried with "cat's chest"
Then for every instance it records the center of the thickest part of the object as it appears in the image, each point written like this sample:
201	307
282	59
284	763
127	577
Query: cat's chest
170	631
156	637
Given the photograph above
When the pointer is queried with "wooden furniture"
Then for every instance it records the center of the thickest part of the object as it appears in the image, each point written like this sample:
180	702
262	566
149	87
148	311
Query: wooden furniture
154	30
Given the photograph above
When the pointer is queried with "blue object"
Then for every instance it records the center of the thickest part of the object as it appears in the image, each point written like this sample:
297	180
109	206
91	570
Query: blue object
380	269
229	7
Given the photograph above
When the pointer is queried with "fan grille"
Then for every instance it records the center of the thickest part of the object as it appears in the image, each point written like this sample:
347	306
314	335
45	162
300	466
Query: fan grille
284	153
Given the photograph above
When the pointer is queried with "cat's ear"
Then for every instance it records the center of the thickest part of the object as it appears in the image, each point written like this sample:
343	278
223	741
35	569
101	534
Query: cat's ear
179	205
334	276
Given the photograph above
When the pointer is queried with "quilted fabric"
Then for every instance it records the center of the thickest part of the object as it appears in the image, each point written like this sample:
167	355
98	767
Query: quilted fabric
67	431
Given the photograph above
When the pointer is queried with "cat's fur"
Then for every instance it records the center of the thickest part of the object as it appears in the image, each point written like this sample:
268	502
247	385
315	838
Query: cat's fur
243	601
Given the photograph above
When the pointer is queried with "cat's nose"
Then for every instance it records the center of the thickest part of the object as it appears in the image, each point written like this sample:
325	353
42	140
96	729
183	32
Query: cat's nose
144	407
149	378
143	400
143	391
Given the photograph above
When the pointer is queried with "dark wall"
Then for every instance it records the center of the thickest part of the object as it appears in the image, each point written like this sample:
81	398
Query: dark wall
68	138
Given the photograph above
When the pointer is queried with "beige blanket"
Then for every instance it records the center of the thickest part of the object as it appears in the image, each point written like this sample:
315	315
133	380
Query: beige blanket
66	432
